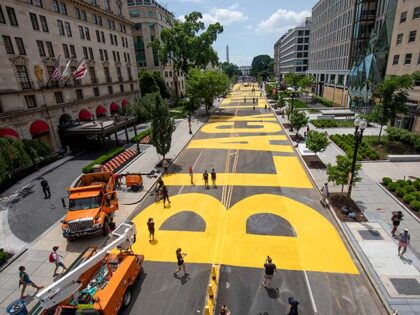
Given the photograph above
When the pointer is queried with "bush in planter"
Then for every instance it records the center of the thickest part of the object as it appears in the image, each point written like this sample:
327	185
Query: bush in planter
401	182
415	205
400	192
409	198
392	186
416	184
386	181
409	189
3	256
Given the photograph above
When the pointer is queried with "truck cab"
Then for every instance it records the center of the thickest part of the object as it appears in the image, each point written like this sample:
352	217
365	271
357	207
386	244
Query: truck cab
91	204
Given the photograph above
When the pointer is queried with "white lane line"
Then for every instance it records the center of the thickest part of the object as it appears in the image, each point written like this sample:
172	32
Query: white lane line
193	166
310	293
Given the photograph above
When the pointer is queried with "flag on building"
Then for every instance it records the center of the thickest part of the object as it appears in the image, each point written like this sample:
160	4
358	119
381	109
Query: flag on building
81	70
56	73
65	75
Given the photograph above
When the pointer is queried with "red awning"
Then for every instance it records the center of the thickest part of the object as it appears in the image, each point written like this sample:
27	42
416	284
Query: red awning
84	114
9	133
39	127
124	103
100	111
114	107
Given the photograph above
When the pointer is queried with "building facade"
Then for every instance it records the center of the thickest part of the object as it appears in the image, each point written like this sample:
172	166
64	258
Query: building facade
37	34
291	51
150	18
404	58
245	70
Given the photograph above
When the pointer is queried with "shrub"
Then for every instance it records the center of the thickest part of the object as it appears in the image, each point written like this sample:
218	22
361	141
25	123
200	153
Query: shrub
140	136
415	205
408	198
392	186
409	189
416	184
103	159
3	257
386	181
322	100
400	192
401	182
404	136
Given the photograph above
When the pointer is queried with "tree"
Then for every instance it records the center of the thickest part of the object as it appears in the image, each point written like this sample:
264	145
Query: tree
293	79
160	82
230	69
206	85
147	83
262	66
316	141
339	173
393	98
143	108
187	45
304	83
298	120
162	126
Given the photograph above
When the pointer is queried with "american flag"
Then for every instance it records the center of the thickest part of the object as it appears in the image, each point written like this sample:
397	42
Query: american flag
81	70
56	73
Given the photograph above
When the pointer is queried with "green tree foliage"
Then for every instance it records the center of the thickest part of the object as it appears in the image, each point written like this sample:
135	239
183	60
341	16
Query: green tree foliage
393	98
152	82
305	83
230	69
262	66
160	82
162	126
339	173
316	141
204	86
298	120
293	79
144	106
188	44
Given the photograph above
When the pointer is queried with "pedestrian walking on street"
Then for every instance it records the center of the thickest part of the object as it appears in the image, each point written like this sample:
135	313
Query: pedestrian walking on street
181	263
111	224
24	281
206	179
396	220
224	310
293	310
190	171
270	270
325	194
57	260
253	108
158	189
165	196
45	188
265	107
213	177
244	99
404	242
165	166
151	228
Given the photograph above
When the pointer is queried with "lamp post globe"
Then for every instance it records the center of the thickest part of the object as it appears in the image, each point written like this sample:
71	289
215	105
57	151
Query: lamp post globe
363	124
357	122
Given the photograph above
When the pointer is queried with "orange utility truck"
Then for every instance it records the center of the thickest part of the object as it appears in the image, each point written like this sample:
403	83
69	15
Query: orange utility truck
99	285
91	203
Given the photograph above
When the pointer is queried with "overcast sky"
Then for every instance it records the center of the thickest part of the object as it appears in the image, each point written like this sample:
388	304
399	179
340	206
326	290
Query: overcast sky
250	27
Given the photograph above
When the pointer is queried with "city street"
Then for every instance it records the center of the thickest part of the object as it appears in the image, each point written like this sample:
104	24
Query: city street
264	203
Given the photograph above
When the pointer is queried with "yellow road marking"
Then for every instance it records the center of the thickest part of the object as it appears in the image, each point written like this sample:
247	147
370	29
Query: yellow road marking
221	127
264	117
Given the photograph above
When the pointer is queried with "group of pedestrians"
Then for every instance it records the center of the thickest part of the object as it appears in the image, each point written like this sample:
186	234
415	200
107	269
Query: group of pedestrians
206	178
404	237
161	191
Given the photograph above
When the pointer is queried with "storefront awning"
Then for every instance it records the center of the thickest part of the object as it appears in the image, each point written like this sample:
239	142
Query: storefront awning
9	133
100	111
124	103
114	107
39	127
84	114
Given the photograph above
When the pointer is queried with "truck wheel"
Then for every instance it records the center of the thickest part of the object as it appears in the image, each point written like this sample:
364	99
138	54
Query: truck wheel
127	298
105	229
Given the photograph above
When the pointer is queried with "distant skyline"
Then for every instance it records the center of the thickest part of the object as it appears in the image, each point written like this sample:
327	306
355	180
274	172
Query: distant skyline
251	28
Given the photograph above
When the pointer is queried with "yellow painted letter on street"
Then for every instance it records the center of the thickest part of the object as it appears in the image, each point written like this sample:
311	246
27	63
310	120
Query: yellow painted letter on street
252	127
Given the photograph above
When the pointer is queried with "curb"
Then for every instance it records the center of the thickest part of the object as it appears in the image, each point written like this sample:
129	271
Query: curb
343	230
12	260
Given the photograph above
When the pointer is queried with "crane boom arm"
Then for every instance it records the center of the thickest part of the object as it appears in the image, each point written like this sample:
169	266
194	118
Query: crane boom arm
62	289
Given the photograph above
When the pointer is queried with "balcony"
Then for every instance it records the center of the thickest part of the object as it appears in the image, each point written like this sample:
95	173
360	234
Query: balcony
27	85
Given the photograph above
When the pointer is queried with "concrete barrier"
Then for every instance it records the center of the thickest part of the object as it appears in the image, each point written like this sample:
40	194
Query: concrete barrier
404	158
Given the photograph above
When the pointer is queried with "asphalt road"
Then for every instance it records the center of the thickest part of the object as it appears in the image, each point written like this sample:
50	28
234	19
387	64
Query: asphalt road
264	204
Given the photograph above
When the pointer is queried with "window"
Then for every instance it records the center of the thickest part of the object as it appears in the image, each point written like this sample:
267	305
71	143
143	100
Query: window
118	56
63	8
131	86
2	19
20	46
8	44
407	59
111	38
68	29
85	53
59	97
23	77
399	39
96	91
12	16
95	19
30	101
73	51
79	94
137	26
416	13
135	13
120	78
98	36
87	33
107	76
41	49
107	5
60	27
100	20
412	36
110	91
166	74
103	37
77	13
101	55
115	40
91	54
106	54
34	21
66	51
44	23
92	74
55	6
122	88
114	56
403	17
130	76
82	33
50	49
37	3
84	18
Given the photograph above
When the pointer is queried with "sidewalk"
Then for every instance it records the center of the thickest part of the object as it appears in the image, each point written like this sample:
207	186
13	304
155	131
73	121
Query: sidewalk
35	259
397	278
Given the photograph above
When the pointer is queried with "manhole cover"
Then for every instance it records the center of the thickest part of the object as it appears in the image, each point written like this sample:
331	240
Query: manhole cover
370	235
406	286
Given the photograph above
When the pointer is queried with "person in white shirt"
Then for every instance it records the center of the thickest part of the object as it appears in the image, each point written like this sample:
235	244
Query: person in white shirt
58	260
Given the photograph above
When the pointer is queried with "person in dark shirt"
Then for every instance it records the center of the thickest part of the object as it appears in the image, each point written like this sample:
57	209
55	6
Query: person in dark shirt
165	195
46	188
181	264
24	281
206	179
293	306
270	270
111	224
396	220
151	228
213	177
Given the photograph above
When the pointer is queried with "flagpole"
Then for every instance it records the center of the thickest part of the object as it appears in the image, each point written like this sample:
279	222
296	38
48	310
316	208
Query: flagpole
56	65
71	74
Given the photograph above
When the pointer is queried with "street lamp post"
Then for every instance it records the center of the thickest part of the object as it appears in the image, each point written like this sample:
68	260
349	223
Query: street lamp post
360	126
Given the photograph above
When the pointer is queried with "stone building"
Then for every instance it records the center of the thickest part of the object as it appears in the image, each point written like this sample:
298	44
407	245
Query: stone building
150	18
35	34
404	58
